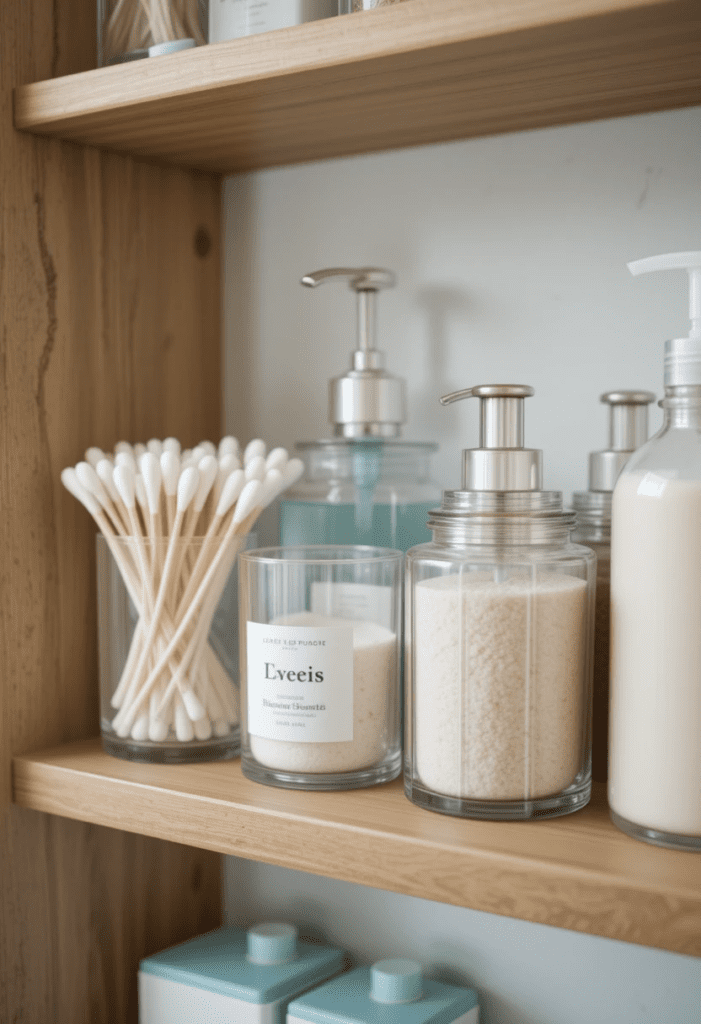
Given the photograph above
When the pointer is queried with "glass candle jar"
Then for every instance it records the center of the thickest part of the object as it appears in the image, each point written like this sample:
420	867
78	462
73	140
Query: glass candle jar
131	29
160	701
319	629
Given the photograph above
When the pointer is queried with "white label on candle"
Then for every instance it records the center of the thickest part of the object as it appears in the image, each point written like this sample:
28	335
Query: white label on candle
300	682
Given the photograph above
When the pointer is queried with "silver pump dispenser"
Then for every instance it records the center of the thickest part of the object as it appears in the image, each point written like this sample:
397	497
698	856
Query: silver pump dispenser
501	463
366	401
628	426
628	415
501	501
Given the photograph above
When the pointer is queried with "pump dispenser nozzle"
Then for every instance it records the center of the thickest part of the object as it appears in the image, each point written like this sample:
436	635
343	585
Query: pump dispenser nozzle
501	463
367	401
627	431
682	365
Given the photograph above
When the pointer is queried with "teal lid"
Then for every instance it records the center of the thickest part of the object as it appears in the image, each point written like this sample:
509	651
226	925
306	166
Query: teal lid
395	981
352	998
272	943
221	961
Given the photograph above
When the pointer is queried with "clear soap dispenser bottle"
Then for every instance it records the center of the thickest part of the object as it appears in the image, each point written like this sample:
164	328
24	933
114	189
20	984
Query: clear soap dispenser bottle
365	485
655	728
628	425
499	636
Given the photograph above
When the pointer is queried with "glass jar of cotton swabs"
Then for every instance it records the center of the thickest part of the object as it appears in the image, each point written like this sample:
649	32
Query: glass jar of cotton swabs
131	29
171	525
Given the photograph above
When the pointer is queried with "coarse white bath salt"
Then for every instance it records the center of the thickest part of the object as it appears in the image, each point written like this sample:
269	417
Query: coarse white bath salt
499	691
354	699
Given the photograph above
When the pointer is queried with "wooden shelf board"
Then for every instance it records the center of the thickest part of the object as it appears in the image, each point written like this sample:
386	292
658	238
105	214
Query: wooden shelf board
577	872
408	74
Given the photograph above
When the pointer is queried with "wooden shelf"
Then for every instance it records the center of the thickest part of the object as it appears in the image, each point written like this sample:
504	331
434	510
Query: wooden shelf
407	74
576	872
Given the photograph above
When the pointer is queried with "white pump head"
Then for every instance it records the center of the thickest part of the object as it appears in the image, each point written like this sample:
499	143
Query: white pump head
682	361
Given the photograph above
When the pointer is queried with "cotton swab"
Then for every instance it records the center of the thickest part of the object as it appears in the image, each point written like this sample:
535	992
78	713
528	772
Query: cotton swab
277	459
253	449
255	468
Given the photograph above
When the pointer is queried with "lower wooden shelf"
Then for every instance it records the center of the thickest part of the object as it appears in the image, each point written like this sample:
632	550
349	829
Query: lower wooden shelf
577	872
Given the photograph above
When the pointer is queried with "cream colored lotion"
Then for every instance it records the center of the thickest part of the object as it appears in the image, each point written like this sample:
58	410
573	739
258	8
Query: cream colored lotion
655	716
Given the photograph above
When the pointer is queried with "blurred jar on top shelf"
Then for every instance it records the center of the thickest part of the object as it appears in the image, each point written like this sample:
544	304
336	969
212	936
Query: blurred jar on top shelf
131	29
231	19
346	6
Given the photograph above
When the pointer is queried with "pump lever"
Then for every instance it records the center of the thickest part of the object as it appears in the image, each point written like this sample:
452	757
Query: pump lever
627	418
501	463
360	279
501	412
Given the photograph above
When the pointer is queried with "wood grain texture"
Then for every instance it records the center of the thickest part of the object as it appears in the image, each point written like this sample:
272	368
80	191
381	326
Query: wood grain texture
408	74
109	327
576	872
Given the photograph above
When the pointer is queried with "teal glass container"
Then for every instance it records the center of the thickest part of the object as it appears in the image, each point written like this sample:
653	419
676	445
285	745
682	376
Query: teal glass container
361	491
390	992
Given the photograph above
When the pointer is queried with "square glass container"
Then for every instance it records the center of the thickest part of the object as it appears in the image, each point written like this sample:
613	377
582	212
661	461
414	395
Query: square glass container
165	698
320	656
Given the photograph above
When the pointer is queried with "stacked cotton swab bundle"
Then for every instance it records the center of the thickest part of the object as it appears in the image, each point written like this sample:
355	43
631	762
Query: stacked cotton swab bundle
174	522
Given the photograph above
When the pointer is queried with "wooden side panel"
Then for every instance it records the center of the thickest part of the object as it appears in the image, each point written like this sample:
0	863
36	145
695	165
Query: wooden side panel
109	328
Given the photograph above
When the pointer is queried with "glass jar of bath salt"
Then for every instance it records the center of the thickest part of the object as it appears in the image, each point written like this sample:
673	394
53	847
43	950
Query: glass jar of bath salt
628	425
500	612
319	652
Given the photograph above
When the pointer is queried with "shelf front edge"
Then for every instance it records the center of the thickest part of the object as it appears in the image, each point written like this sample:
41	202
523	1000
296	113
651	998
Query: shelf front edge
408	74
614	887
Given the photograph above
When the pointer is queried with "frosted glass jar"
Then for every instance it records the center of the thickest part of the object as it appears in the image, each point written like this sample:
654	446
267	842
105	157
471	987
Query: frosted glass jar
320	694
499	659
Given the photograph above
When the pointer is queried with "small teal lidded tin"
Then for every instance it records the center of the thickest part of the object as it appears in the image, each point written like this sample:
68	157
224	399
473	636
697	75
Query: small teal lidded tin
232	975
390	992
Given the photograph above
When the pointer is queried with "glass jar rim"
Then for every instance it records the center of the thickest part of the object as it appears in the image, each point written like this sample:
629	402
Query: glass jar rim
389	443
322	554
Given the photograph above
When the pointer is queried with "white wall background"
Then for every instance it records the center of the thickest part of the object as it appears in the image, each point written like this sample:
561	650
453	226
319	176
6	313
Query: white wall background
510	254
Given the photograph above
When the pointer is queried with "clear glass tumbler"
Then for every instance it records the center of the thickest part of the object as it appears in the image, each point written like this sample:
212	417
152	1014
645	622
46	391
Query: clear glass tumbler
167	698
320	656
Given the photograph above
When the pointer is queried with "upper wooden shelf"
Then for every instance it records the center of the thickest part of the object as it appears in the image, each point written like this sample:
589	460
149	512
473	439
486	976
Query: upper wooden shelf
408	74
576	872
